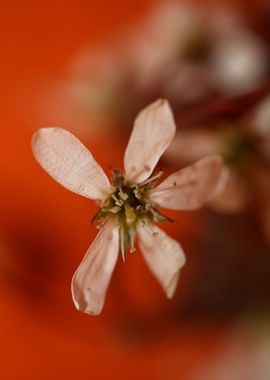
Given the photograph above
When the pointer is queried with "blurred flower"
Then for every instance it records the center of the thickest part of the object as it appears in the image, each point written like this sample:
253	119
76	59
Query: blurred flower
185	45
180	52
94	90
128	204
245	355
245	146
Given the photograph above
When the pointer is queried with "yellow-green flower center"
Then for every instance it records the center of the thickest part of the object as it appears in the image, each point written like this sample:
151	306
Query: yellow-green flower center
128	204
239	148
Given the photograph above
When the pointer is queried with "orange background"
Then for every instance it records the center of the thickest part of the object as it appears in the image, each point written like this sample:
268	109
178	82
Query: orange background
45	230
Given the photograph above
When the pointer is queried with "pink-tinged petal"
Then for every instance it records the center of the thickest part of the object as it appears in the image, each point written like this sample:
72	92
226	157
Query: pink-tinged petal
91	280
260	124
192	186
164	256
222	183
189	146
68	161
233	199
153	131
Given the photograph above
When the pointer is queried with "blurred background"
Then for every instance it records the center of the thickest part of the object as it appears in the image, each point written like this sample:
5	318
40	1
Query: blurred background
90	67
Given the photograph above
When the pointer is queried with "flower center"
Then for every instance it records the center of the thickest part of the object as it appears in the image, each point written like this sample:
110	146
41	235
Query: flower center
129	204
239	148
197	45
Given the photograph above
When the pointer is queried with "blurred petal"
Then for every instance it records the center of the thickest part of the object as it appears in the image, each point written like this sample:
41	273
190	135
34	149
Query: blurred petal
234	198
180	79
91	280
222	183
191	187
153	131
239	62
68	161
163	255
193	145
261	118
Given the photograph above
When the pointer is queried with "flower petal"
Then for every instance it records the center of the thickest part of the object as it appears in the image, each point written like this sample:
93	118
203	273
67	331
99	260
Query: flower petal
164	256
68	161
91	280
189	146
260	124
153	131
192	186
234	198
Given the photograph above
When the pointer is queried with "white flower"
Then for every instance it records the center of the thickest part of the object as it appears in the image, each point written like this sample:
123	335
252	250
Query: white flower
128	203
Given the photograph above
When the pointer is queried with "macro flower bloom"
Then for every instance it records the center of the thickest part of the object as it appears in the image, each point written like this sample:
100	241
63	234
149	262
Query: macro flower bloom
128	204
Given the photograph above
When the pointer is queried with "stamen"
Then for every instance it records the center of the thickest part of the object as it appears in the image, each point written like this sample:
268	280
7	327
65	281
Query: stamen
122	194
131	239
129	205
151	179
137	193
118	202
115	209
122	242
